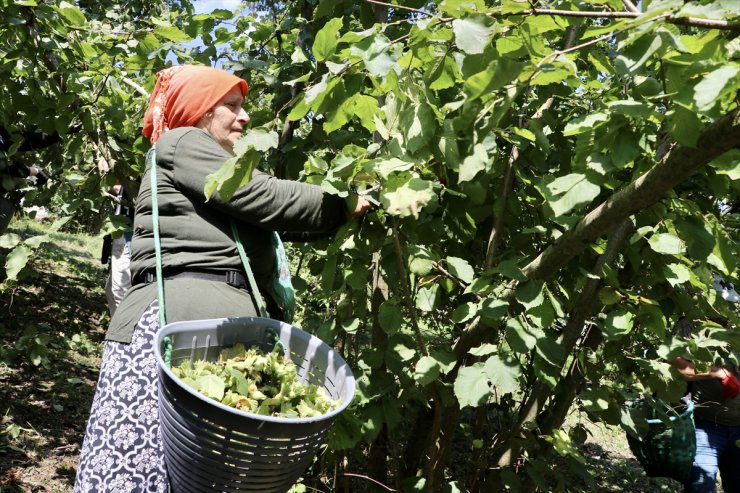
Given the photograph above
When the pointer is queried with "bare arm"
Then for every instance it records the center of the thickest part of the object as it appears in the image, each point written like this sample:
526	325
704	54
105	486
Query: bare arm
687	369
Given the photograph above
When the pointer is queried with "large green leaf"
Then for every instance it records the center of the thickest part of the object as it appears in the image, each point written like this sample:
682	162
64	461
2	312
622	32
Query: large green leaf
472	387
472	34
172	33
503	373
709	89
70	12
420	126
17	260
474	164
406	195
326	39
460	268
617	324
667	243
390	318
427	370
568	192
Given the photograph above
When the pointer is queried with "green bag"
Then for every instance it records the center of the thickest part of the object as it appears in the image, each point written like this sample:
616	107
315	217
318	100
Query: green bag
668	449
282	288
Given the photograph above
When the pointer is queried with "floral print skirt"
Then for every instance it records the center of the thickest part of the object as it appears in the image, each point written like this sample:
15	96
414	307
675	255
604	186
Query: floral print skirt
122	450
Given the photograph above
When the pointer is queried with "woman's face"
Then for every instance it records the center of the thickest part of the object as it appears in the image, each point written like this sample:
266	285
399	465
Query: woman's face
226	121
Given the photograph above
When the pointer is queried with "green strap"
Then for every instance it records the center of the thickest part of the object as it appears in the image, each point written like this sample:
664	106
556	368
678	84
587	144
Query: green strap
245	261
152	162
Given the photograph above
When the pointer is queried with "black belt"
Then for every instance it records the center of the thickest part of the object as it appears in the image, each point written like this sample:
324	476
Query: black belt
230	277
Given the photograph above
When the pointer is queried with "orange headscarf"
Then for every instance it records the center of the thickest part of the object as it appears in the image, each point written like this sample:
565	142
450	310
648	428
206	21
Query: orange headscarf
183	94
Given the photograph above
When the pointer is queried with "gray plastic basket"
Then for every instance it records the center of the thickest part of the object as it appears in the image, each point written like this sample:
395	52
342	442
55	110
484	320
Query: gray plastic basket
209	446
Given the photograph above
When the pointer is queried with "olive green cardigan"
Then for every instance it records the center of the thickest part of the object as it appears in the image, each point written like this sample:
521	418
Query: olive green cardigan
195	234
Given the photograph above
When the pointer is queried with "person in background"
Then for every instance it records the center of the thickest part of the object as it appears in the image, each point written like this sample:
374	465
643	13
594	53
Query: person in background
716	396
195	116
9	168
117	253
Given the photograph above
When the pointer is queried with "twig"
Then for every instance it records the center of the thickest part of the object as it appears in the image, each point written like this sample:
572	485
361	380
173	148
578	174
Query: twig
630	6
689	21
402	7
449	275
407	290
387	488
136	86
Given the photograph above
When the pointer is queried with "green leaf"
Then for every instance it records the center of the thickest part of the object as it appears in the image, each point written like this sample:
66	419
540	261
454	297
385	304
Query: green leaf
503	373
667	244
471	386
554	72
211	386
233	174
484	350
365	108
328	274
378	54
472	34
427	370
385	167
546	372
714	84
72	14
728	164
464	312
407	195
9	240
299	110
258	138
595	400
584	124
172	33
474	164
531	294
326	39
617	324
237	171
402	352
421	261
390	318
460	268
493	310
445	76
420	125
551	350
676	274
522	338
17	260
426	298
684	125
637	54
568	192
458	8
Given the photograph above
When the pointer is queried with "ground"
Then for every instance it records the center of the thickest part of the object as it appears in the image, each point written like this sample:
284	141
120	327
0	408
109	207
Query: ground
48	372
51	330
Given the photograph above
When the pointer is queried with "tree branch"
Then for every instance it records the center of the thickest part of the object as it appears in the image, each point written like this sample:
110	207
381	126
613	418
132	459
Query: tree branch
401	7
407	290
679	163
136	86
509	449
630	6
687	21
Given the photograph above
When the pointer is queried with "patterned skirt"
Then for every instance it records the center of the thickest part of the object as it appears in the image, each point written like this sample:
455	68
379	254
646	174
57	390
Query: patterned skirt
122	450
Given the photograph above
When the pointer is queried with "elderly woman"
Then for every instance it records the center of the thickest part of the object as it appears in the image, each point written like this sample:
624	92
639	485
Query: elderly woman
195	116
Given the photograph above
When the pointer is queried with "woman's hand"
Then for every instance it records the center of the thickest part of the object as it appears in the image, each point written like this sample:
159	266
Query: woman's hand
357	206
